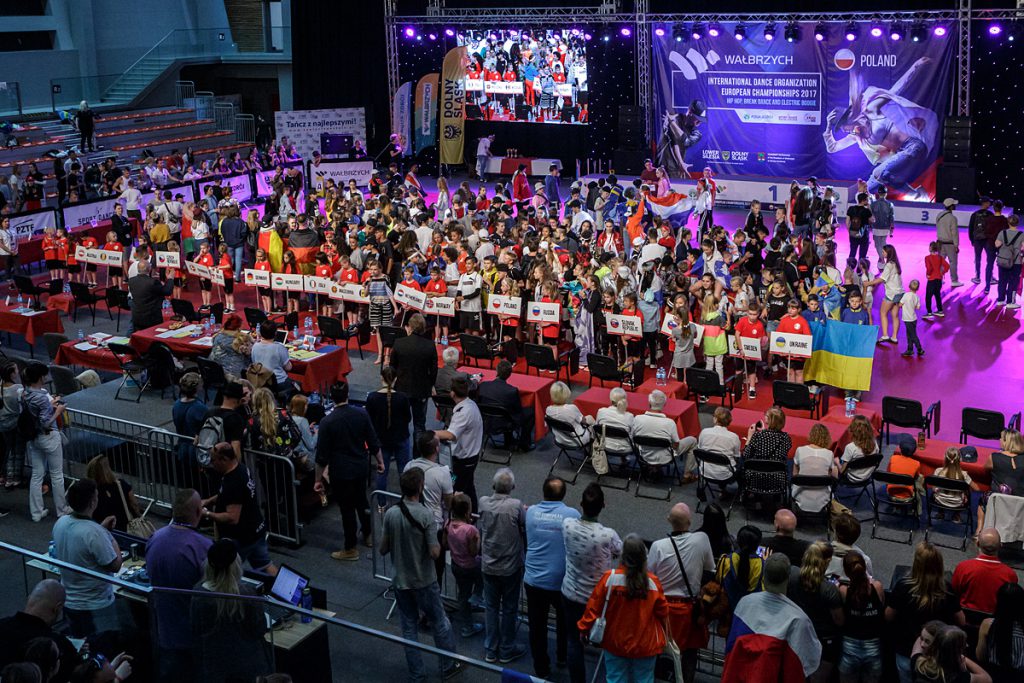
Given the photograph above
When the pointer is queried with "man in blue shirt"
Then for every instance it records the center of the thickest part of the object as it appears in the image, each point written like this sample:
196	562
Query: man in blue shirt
882	227
551	190
545	568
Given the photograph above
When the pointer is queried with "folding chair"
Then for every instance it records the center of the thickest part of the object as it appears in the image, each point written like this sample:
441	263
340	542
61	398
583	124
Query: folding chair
497	422
331	328
117	299
53	340
701	382
185	309
815	482
476	348
907	507
213	376
83	296
753	487
909	414
568	433
604	369
705	482
797	396
650	445
857	477
133	367
541	357
981	424
934	506
254	317
627	459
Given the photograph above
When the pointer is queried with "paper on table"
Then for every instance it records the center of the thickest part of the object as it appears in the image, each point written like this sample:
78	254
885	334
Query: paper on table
203	341
302	354
117	340
178	333
85	346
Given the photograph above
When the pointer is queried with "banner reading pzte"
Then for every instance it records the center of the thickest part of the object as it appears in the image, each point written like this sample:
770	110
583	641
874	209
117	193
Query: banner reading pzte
872	108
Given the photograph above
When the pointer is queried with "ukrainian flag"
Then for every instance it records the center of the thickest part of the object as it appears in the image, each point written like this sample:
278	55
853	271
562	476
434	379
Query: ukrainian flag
843	355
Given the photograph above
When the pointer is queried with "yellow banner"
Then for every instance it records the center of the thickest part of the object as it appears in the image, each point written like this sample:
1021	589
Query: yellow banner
453	106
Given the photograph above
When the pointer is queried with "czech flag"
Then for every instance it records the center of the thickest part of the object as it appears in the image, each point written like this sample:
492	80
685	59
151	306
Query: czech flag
771	640
843	355
674	207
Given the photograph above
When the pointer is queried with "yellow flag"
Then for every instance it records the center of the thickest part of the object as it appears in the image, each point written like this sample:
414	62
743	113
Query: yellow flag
453	106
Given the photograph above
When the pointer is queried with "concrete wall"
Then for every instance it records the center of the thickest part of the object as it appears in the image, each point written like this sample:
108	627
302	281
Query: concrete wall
24	68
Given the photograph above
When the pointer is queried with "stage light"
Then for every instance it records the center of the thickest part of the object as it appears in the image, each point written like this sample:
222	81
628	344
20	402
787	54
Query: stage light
820	32
679	33
769	32
587	36
625	32
606	38
449	32
876	31
918	33
896	32
792	33
660	32
410	32
493	36
995	29
741	32
852	32
714	30
419	38
432	35
939	31
698	31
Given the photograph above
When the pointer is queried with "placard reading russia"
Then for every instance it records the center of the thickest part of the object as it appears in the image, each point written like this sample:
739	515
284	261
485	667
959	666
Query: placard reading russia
537	312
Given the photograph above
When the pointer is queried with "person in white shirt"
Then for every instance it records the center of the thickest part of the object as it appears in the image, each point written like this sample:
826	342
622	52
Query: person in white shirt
424	235
579	215
615	415
652	251
563	410
814	459
159	175
654	423
132	198
486	248
908	309
688	551
466	434
718	439
468	298
483	153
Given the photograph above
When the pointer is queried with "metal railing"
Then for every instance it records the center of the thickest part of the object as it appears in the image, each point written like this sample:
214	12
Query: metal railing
245	128
224	115
10	98
184	91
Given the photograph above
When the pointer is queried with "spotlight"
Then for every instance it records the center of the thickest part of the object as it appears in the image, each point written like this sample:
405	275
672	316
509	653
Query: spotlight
698	31
769	32
918	33
420	38
432	35
606	38
587	36
449	32
876	31
714	30
741	32
792	33
995	29
625	31
939	31
896	32
820	32
409	32
660	32
493	36
679	33
852	32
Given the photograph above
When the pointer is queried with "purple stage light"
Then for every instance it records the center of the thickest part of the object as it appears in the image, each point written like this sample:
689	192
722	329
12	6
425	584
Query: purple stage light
850	37
626	32
587	36
895	36
769	36
995	30
410	32
939	31
713	31
819	37
876	32
659	32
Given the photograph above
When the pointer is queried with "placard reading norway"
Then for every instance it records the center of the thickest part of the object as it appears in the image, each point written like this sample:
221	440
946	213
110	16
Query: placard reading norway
538	312
789	344
303	127
281	282
440	305
256	278
168	259
504	305
624	325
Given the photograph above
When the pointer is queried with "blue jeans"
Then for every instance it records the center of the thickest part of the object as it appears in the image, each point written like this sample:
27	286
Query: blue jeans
428	600
501	605
237	255
903	669
628	670
400	454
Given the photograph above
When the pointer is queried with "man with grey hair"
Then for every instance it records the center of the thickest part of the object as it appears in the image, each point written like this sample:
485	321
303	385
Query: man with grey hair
770	631
147	297
445	374
502	531
656	424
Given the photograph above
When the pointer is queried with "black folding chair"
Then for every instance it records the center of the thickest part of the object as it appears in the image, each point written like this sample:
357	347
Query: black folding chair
705	482
774	487
28	289
701	382
814	482
331	328
981	424
53	340
626	459
254	317
213	376
647	446
83	296
184	309
905	508
934	506
389	334
445	405
63	381
476	349
909	414
541	357
857	477
797	396
117	299
133	367
604	369
498	422
572	442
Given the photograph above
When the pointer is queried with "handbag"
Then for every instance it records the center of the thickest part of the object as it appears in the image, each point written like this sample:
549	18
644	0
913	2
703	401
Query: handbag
596	634
669	665
598	455
259	376
137	526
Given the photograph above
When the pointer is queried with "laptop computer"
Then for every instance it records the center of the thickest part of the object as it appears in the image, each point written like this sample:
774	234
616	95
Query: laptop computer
287	588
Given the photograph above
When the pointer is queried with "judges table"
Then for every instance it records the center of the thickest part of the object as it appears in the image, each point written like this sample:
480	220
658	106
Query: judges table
90	353
509	165
27	322
312	369
683	412
534	392
303	650
672	388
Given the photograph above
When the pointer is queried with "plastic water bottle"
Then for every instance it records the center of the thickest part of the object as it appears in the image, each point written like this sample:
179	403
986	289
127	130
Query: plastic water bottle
295	333
307	603
851	406
213	322
21	299
81	334
258	329
67	287
166	306
660	378
314	398
444	340
51	550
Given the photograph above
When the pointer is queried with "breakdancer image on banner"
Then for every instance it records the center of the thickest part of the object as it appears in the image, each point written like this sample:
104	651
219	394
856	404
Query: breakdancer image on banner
680	132
895	134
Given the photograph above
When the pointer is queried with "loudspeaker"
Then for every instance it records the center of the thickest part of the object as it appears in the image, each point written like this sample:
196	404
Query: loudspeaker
522	112
335	144
473	111
628	161
956	181
956	150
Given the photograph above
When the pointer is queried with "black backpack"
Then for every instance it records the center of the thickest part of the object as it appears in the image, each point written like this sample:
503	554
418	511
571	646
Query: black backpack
28	424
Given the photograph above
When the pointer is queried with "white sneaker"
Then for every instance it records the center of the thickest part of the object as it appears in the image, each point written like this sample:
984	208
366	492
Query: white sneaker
1013	306
1000	303
941	314
955	283
976	280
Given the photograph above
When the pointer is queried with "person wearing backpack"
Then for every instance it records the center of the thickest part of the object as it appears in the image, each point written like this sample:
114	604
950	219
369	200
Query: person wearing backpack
976	233
1009	242
739	573
39	426
222	423
858	221
13	462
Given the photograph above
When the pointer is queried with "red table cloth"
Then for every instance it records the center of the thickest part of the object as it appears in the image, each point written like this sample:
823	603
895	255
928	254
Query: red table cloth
31	325
933	456
534	392
837	415
798	428
313	374
672	388
99	358
60	302
683	412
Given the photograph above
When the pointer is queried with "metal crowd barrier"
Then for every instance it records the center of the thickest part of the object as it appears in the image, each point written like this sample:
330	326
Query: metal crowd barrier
157	463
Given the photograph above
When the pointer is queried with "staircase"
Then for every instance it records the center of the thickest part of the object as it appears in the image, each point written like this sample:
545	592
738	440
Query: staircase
137	78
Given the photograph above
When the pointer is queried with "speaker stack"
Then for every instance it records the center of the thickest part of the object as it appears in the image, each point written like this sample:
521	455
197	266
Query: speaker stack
956	177
629	156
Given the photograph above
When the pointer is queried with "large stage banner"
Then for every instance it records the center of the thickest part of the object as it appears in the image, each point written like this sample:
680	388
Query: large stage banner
341	172
871	108
425	116
401	116
303	127
453	106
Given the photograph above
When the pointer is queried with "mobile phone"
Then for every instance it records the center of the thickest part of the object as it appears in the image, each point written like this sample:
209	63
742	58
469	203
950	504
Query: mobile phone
760	551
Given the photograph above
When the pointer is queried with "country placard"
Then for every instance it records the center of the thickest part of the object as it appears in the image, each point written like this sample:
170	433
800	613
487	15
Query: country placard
443	306
283	282
407	296
789	344
348	291
747	348
256	278
197	269
624	325
96	256
539	312
670	323
168	259
312	284
217	276
504	305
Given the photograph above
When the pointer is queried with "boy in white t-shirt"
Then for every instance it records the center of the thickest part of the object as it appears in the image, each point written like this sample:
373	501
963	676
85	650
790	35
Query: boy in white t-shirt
908	309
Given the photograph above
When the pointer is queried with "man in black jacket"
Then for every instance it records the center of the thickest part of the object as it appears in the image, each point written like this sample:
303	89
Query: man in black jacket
414	357
43	609
147	297
122	226
498	392
234	230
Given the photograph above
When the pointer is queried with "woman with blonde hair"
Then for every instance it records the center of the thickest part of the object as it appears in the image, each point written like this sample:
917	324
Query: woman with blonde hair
1006	468
819	598
110	489
862	444
766	441
814	459
952	469
444	199
564	410
615	415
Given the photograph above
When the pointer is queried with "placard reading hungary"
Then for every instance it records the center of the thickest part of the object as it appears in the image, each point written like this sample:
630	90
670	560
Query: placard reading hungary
789	344
96	256
440	305
504	305
538	312
624	325
256	278
281	282
747	348
408	296
168	259
197	269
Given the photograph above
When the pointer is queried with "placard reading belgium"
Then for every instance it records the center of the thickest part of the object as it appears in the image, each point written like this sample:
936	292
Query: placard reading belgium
789	99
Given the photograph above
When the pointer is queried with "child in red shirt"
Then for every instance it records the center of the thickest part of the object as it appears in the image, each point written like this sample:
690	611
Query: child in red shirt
549	332
62	251
89	242
174	274
205	258
49	244
633	345
436	287
264	293
74	268
116	271
346	273
936	266
794	323
323	270
751	327
229	278
289	266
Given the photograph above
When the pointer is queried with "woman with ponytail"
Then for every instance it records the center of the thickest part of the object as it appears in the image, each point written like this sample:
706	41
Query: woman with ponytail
740	572
391	414
864	619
